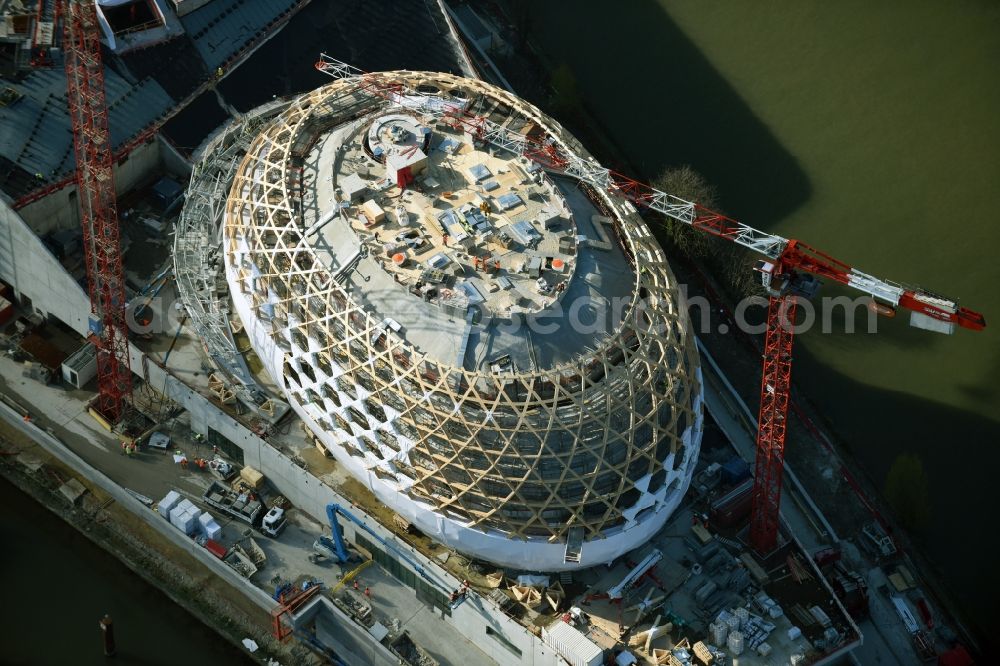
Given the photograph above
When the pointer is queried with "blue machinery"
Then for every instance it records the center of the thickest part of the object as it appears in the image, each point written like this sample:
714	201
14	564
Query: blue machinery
336	545
151	291
339	548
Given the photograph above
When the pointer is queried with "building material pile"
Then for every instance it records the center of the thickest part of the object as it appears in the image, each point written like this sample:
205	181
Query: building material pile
185	516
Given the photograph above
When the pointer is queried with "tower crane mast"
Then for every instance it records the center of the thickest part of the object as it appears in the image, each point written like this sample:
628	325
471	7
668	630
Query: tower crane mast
92	148
790	270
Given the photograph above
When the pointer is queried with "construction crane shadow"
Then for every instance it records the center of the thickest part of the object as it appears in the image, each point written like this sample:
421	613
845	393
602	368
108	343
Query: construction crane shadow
660	100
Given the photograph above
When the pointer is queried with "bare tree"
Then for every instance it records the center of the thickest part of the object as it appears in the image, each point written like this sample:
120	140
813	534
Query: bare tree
731	263
686	183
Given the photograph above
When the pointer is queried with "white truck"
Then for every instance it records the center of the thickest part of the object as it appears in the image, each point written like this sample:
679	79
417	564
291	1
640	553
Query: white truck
246	507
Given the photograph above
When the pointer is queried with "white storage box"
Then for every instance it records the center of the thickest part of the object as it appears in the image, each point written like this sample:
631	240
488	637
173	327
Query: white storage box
183	520
168	503
572	645
212	530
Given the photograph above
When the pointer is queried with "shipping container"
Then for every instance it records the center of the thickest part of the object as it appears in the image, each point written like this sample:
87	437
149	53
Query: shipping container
216	548
572	644
732	507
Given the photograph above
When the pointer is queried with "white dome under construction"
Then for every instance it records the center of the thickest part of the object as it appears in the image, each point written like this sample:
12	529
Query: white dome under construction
497	349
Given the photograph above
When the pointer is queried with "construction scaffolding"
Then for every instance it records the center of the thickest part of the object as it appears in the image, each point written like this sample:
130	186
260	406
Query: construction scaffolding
198	264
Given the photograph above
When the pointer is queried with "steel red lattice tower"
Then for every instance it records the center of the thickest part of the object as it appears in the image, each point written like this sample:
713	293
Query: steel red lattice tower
98	207
775	385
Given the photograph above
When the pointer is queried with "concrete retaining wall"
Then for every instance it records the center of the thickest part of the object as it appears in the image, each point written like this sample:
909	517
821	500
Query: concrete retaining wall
28	266
353	646
58	210
31	269
172	161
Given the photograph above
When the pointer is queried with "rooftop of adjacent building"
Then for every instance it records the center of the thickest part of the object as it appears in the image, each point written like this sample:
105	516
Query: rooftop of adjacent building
168	56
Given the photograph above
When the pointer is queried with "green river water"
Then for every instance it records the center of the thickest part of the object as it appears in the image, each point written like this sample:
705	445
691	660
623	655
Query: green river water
870	130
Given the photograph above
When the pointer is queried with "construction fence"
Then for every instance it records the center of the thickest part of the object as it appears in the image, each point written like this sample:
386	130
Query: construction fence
426	593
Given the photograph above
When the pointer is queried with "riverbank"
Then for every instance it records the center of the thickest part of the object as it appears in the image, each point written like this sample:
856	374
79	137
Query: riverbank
701	119
115	530
868	131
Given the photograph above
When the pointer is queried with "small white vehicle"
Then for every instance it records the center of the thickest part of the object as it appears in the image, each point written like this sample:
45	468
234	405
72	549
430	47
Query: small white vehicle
273	522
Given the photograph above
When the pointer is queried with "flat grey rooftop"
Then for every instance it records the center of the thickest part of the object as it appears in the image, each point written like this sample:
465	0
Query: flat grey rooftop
512	318
35	129
222	28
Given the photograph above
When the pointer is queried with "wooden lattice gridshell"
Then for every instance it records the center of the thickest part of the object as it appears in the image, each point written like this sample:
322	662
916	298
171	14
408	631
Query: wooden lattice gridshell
606	443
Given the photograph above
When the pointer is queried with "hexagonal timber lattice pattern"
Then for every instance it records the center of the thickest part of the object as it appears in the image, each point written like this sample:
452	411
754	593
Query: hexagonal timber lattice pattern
397	321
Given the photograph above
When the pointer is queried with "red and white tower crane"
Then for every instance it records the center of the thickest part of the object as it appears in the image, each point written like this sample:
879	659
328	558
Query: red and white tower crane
790	270
98	206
